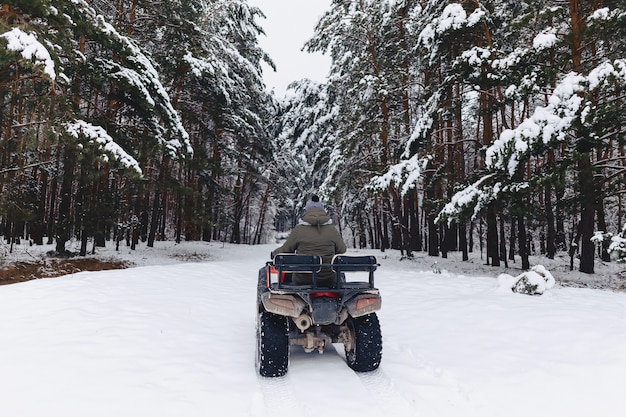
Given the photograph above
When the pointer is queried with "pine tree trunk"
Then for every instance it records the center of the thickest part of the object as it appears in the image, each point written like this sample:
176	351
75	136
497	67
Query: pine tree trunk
587	215
433	236
41	209
83	244
406	235
259	227
64	222
503	242
444	233
370	232
523	247
51	229
492	237
512	240
179	216
237	211
414	221
560	238
585	172
154	217
470	242
551	234
463	239
604	248
384	242
157	203
378	229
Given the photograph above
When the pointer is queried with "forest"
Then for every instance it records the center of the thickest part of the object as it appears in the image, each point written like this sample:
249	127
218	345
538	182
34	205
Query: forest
442	126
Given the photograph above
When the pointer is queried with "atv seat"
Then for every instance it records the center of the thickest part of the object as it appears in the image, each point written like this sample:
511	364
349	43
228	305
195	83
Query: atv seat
354	263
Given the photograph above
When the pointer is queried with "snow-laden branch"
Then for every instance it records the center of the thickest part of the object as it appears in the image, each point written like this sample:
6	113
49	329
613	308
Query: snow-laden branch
30	49
464	199
618	244
453	17
150	76
405	173
144	76
99	137
423	124
566	105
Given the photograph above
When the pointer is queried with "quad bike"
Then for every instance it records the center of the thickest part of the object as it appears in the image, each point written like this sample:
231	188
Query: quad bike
314	316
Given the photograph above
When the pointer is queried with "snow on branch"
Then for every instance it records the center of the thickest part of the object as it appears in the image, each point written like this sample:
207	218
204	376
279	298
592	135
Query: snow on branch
423	124
565	106
471	195
545	40
150	77
453	18
405	173
199	67
618	245
600	16
98	136
30	49
143	75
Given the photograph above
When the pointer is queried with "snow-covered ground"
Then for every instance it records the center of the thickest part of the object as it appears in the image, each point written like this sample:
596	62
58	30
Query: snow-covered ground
177	338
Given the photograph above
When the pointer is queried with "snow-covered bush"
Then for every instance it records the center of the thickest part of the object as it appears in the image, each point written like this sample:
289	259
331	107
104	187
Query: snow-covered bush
533	282
618	245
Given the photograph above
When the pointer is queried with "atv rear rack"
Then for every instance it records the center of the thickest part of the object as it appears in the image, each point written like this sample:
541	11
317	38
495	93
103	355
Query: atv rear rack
283	265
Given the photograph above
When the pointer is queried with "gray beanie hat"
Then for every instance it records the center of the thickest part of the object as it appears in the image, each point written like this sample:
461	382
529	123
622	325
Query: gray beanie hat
314	202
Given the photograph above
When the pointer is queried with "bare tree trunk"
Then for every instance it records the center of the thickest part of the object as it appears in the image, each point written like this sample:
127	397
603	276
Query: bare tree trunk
523	247
157	203
604	248
64	222
512	240
551	234
503	242
587	215
463	239
492	237
259	227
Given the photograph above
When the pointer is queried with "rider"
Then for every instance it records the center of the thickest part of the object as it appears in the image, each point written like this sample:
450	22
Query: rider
314	235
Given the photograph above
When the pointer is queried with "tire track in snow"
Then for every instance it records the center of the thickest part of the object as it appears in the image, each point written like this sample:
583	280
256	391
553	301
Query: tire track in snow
429	390
279	397
313	387
385	394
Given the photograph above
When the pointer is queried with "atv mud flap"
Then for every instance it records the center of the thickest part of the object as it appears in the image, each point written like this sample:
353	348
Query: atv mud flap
324	310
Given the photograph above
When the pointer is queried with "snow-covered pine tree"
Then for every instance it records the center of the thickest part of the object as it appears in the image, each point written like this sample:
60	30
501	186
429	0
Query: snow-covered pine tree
562	136
132	81
303	143
369	88
71	42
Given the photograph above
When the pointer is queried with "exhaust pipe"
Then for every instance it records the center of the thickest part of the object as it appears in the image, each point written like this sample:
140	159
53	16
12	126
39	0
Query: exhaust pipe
303	322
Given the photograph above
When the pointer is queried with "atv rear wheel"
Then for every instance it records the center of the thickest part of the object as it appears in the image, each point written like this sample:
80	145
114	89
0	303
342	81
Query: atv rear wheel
272	356
364	351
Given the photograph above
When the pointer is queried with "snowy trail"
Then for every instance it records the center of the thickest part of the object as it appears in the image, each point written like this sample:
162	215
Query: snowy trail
179	340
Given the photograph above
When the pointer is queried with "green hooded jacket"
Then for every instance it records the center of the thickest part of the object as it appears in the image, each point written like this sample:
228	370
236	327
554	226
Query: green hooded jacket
314	235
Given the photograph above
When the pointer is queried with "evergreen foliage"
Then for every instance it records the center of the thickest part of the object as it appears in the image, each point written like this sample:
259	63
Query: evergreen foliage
137	122
440	122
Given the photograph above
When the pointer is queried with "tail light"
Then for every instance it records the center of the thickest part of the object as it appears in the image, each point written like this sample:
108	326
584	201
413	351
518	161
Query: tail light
365	302
272	276
281	302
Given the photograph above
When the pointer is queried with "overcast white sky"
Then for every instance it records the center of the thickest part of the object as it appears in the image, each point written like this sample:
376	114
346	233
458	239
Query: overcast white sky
289	24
